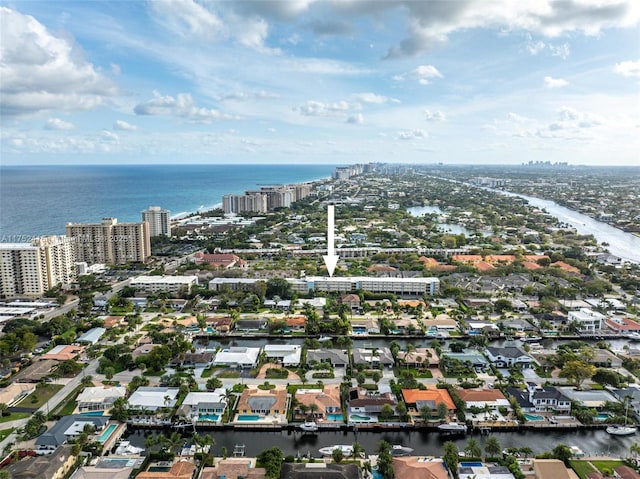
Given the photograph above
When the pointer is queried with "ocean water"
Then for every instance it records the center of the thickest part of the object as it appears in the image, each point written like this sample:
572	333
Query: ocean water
40	200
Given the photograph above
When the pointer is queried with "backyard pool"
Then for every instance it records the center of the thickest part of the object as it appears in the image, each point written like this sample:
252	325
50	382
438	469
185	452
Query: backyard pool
533	417
358	418
107	433
603	416
335	417
93	413
208	417
470	464
248	417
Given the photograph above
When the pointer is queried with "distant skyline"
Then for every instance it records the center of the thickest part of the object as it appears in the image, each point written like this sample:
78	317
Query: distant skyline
337	82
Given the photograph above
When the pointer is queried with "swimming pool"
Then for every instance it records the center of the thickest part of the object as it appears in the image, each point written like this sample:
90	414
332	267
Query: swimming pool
470	464
335	417
93	413
603	416
208	417
358	418
533	417
107	433
248	417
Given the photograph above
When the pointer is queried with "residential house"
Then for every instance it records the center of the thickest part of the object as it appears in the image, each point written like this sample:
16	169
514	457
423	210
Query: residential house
220	325
309	470
99	398
594	398
551	469
273	402
364	401
625	472
473	358
250	325
285	354
181	469
55	466
483	398
587	319
373	357
204	406
622	325
413	467
468	470
419	358
201	359
406	326
63	352
351	300
541	399
234	468
220	260
112	321
143	350
368	325
441	324
417	399
105	470
631	394
66	429
152	398
239	357
296	323
15	392
508	356
338	358
327	401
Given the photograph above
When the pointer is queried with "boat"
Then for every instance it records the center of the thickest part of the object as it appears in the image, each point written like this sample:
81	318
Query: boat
576	451
308	426
633	336
125	448
531	339
622	430
399	450
453	427
324	338
346	449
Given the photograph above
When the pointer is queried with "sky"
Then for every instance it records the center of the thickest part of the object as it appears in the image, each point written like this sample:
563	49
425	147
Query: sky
330	81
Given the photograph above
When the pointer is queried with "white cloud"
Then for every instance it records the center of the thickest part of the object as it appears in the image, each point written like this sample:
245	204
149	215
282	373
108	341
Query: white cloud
181	106
124	126
317	108
356	119
415	134
628	68
423	74
58	124
436	115
242	96
551	82
373	98
42	72
109	135
563	51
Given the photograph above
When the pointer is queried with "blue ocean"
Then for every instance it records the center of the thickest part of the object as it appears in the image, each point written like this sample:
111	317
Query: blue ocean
40	200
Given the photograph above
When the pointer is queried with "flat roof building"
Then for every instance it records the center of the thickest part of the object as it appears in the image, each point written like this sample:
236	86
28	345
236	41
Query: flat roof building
169	284
159	221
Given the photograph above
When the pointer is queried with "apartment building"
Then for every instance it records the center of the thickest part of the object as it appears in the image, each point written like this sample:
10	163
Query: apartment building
167	284
110	242
30	269
159	221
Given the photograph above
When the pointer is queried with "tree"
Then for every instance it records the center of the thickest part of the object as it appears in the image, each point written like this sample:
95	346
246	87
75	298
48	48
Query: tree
451	457
361	378
563	453
607	377
401	409
385	460
376	376
386	411
3	409
358	450
213	383
119	410
271	460
492	447
577	371
442	410
337	455
425	413
472	449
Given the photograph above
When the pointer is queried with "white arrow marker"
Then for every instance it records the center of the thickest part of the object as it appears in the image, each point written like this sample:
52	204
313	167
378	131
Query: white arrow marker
331	259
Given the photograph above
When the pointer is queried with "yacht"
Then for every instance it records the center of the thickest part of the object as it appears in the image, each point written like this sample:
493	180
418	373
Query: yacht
622	430
324	338
308	426
453	427
125	448
398	450
634	336
346	449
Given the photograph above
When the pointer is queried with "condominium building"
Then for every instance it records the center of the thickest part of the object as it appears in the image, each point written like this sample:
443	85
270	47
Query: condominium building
30	269
168	284
110	242
159	221
268	198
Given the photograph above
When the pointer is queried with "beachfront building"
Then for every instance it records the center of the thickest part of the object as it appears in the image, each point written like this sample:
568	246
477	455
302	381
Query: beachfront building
110	242
30	269
166	284
159	221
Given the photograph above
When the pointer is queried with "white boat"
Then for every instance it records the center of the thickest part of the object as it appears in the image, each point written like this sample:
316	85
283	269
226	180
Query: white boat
324	338
346	449
453	427
634	336
398	450
576	451
531	339
622	430
125	448
308	426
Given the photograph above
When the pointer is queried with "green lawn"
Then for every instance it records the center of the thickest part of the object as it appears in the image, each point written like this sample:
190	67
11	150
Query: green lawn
67	406
606	466
14	415
40	396
5	432
582	468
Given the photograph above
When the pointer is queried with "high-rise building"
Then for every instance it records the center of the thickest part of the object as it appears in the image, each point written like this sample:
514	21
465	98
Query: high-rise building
159	221
30	269
110	242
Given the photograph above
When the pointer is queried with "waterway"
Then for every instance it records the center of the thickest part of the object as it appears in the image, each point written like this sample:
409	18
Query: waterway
592	442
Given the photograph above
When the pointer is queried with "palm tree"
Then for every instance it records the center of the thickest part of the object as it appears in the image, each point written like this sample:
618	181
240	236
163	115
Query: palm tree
492	447
313	407
634	449
358	450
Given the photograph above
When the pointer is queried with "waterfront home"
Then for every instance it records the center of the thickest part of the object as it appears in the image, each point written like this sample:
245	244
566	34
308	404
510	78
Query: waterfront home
419	467
373	357
182	469
631	394
237	357
250	325
234	468
419	358
551	469
285	354
296	323
273	402
100	398
605	358
338	358
406	325
366	325
326	400
477	470
491	399
622	325
541	399
152	398
220	325
594	398
364	401
56	466
418	399
442	324
66	429
116	469
508	356
587	319
204	406
319	471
